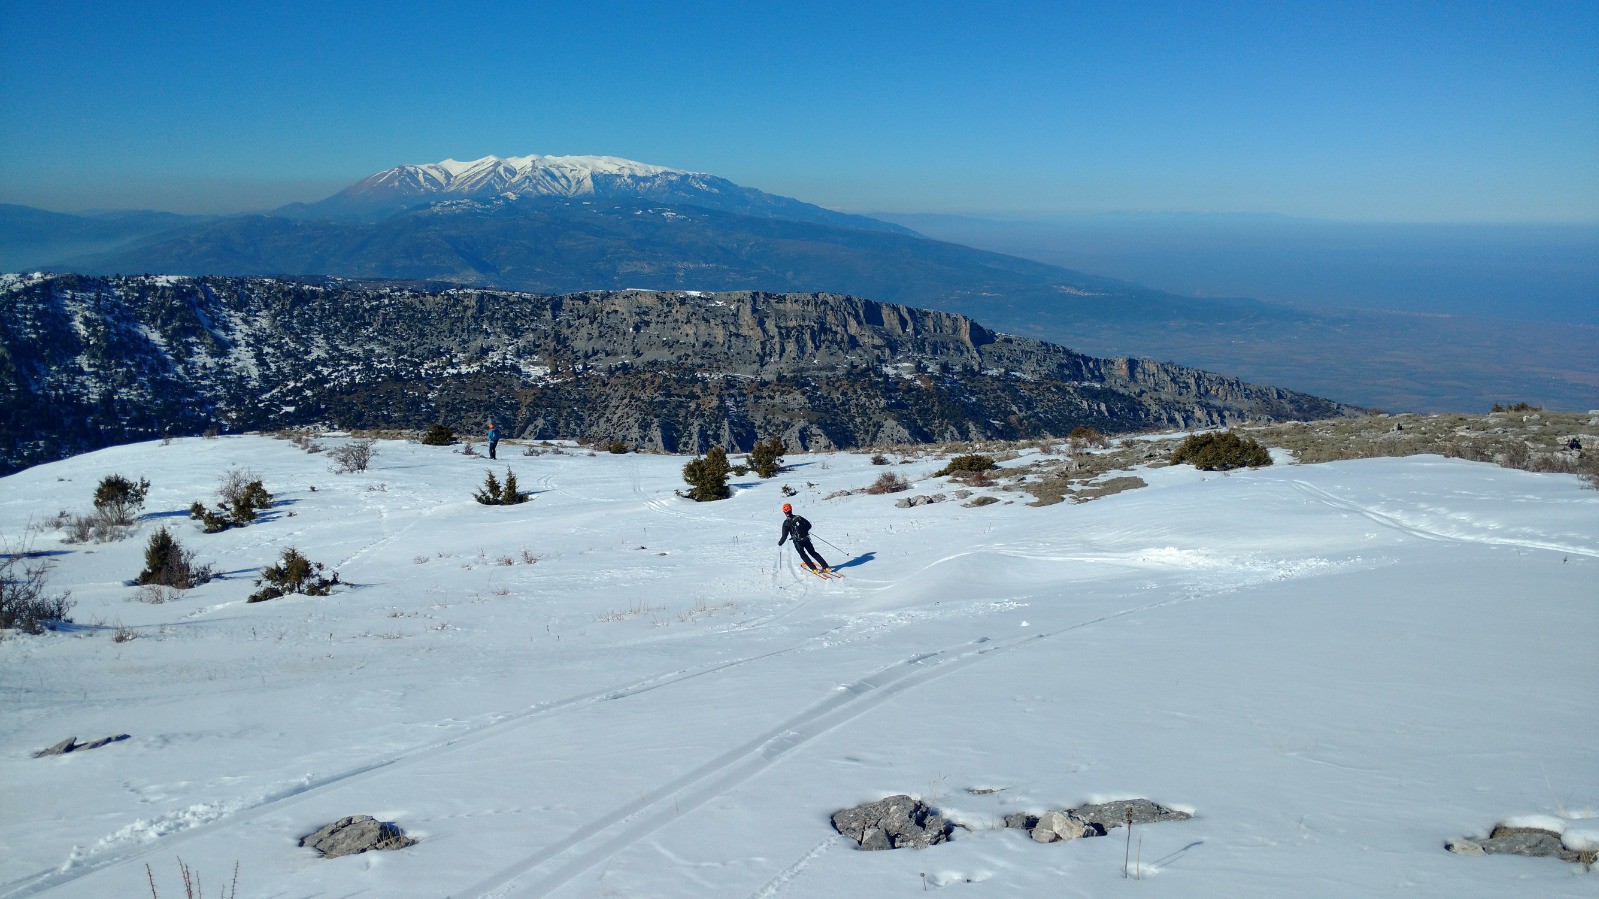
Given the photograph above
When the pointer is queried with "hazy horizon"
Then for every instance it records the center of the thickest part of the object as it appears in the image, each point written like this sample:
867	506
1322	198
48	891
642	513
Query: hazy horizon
1525	272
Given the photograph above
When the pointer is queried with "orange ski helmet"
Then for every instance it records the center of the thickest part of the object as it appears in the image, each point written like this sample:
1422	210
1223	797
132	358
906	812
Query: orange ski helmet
787	508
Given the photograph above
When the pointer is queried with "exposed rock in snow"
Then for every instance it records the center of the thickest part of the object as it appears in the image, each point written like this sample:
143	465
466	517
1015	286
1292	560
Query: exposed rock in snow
71	744
1056	826
356	834
898	822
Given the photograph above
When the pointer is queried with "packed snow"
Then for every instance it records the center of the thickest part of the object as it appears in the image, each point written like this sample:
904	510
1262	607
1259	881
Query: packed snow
613	691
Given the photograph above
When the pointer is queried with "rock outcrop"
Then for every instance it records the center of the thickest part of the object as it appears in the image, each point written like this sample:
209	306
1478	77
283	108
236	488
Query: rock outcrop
898	822
71	744
356	834
85	359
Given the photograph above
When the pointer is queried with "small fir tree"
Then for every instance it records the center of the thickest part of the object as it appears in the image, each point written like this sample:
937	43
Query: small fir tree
492	493
167	563
707	475
767	457
439	435
511	496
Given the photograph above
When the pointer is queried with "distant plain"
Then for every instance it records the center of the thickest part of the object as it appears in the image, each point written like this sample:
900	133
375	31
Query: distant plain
1414	317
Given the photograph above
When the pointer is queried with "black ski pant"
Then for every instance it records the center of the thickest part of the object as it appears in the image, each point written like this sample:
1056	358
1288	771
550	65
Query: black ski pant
492	445
808	552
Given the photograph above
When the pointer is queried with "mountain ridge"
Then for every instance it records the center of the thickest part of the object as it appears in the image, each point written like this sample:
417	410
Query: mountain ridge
411	186
90	361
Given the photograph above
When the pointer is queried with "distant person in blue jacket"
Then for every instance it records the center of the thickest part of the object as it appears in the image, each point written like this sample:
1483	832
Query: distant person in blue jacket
494	439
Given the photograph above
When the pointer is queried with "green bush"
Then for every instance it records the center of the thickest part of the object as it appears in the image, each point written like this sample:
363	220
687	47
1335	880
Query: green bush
118	500
1083	435
242	496
707	475
972	462
294	573
767	457
1220	452
616	447
439	435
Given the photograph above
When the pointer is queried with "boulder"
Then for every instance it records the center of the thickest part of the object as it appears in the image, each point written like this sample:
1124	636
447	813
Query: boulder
1529	841
1021	820
1465	847
61	748
898	822
1106	815
1056	826
355	834
71	744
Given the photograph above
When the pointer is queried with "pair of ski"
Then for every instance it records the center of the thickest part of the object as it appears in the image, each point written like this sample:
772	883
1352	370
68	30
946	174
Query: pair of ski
824	575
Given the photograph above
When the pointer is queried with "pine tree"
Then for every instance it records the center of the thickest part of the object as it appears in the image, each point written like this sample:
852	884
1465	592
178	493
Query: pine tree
707	474
510	496
492	493
767	457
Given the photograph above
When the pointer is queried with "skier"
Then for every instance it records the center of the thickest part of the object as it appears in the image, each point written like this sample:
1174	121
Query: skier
494	439
797	527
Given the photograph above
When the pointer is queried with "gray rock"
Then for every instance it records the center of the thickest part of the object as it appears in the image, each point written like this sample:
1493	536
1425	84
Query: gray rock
898	822
936	498
1056	826
1021	820
1107	815
71	744
875	839
61	748
961	494
359	833
838	493
1530	841
1465	847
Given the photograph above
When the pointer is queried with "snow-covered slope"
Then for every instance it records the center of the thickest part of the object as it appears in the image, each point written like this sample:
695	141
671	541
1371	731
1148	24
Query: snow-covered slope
610	691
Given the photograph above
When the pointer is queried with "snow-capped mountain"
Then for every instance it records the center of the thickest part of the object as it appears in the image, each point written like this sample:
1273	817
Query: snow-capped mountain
563	177
540	176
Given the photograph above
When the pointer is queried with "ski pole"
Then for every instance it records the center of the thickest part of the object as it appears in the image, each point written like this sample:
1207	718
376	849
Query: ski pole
830	543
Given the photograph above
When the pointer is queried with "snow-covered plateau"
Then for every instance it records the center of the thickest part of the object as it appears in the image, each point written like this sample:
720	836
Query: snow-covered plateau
612	691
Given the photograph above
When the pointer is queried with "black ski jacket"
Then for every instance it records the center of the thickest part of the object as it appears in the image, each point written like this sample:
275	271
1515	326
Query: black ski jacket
797	527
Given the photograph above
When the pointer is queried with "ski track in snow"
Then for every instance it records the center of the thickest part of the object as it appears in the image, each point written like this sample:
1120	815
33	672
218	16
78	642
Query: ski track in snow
1423	533
610	834
778	884
247	811
617	830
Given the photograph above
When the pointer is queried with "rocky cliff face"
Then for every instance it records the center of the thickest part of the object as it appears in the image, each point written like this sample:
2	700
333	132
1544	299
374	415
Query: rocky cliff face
85	362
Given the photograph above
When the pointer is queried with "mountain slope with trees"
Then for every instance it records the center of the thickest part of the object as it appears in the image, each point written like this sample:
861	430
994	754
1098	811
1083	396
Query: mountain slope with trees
90	361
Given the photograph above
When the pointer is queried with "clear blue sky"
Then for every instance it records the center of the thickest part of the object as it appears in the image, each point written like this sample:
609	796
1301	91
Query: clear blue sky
1395	111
